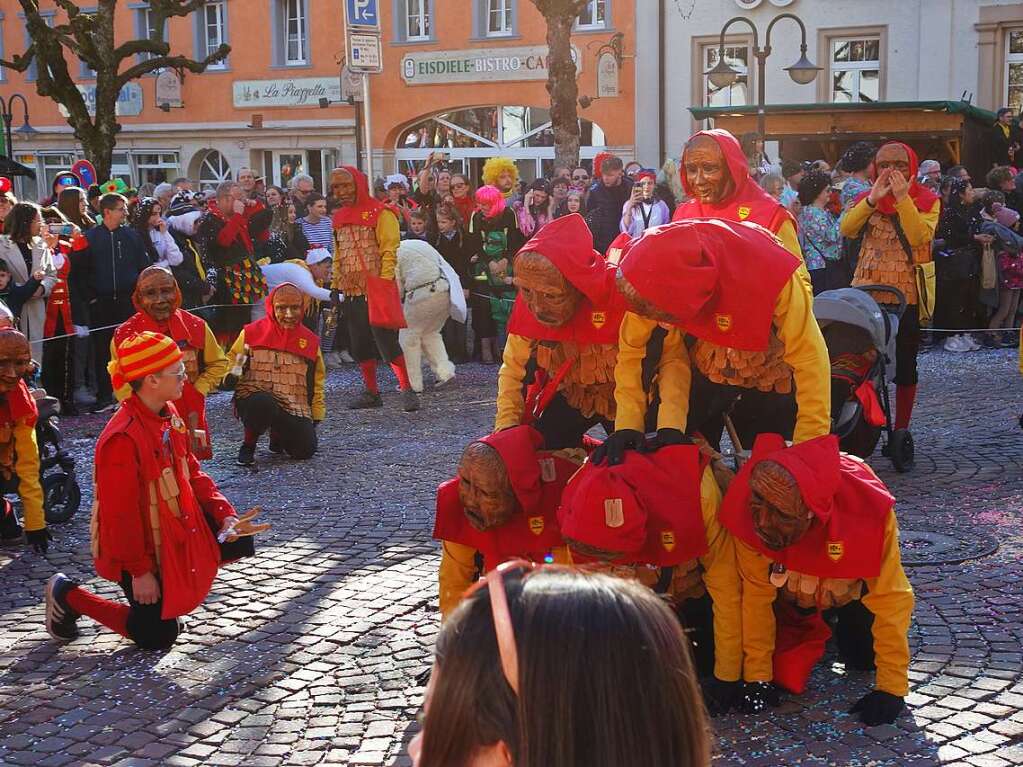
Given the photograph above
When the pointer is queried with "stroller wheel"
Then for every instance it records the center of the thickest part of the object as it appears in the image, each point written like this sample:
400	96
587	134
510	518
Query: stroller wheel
901	450
61	497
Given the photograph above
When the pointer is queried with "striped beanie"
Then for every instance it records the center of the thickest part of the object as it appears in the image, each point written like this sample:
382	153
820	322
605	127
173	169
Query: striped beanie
141	354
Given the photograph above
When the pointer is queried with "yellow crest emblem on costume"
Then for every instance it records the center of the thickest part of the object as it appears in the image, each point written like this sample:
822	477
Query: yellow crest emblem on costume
668	539
743	212
598	319
177	424
723	321
614	513
536	525
836	550
302	343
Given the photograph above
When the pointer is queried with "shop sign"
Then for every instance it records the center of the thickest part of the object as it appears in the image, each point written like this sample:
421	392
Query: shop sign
129	100
285	92
168	88
607	76
364	52
479	65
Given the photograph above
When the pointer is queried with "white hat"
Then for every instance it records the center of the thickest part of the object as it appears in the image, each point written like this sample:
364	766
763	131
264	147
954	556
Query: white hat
185	223
316	255
395	178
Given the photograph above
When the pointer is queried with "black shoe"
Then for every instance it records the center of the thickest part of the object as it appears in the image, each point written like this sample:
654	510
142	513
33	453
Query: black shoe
409	401
60	618
366	400
247	455
275	444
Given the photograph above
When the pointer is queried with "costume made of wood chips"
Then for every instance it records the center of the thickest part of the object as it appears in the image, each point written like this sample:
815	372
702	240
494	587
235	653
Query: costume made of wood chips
581	354
537	477
281	385
659	512
850	552
204	360
743	299
19	458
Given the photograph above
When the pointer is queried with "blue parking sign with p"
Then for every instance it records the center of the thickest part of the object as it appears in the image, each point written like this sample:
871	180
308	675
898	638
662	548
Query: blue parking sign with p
363	13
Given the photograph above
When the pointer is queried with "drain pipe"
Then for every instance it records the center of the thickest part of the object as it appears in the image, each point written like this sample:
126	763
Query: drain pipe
661	114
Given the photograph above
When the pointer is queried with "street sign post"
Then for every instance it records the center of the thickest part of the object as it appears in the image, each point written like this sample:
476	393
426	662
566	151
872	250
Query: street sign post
364	53
362	14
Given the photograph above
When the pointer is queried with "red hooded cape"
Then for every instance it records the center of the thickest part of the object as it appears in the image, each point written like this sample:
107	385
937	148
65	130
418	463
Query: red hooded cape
17	404
366	209
267	333
568	244
537	480
849	503
649	506
720	279
747	203
922	197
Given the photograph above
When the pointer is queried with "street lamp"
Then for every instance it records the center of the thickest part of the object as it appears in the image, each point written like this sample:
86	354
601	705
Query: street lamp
7	116
803	72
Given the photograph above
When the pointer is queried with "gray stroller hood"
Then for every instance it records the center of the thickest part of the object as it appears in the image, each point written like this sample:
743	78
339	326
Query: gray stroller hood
855	307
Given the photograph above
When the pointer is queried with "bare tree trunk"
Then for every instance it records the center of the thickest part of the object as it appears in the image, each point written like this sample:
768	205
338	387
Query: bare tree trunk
561	77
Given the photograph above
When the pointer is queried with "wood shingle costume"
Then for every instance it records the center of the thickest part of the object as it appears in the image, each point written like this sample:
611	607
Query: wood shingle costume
19	451
896	220
502	505
565	320
740	295
158	300
817	529
366	236
277	375
654	518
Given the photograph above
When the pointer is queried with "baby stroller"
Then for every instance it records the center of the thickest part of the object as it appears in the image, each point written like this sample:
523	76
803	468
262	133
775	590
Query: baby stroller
61	494
860	335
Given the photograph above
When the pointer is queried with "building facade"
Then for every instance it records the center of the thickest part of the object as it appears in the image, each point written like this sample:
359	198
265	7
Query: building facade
868	51
462	77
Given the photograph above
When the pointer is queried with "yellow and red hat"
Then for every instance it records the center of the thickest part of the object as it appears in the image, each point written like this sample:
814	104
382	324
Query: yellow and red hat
141	354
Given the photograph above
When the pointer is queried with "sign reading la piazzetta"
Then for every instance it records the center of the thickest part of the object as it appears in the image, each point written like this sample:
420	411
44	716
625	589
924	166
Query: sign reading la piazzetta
478	65
286	92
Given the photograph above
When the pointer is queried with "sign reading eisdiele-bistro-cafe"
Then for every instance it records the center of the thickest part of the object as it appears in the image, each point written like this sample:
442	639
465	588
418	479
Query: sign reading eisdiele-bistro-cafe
478	65
286	92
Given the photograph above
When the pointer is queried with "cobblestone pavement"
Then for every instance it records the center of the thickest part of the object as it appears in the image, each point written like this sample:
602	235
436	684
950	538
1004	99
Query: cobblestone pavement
308	654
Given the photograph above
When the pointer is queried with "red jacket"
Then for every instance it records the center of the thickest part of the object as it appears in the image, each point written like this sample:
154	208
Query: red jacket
145	472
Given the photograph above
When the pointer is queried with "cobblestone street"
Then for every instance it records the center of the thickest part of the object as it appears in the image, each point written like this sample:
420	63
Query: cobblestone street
309	653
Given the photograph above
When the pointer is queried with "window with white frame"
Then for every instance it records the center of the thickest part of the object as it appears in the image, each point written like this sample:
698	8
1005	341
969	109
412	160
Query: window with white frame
214	30
593	16
737	56
147	30
155	167
1014	69
855	69
418	24
296	43
499	18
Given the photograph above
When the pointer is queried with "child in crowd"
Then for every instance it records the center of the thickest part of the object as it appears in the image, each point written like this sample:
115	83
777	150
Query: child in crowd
1003	223
418	221
452	245
14	296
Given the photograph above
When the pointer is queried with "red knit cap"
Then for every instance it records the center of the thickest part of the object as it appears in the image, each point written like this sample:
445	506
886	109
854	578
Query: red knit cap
140	355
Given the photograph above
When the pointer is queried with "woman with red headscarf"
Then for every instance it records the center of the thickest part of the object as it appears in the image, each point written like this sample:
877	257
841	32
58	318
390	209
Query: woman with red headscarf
896	219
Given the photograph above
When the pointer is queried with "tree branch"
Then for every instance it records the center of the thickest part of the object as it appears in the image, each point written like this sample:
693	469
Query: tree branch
172	62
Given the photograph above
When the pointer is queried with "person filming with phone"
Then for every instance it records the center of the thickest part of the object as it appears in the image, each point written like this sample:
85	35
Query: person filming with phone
27	247
642	210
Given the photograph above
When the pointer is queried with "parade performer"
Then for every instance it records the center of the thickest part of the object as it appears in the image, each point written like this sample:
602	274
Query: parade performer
818	528
565	321
19	451
655	518
896	220
156	516
502	505
366	240
740	295
157	298
715	176
504	174
277	376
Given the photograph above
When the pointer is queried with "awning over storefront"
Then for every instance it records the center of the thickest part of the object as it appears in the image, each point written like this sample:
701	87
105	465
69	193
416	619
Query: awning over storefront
10	168
954	132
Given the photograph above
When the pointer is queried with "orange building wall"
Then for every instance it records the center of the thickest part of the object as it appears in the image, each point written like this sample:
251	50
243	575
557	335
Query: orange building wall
206	97
396	105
